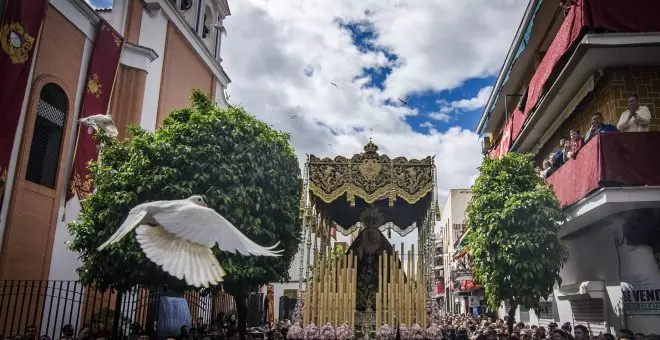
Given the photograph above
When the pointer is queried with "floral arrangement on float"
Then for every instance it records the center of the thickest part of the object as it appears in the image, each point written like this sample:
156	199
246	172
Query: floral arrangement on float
295	333
312	332
434	332
416	332
404	331
345	332
385	332
328	332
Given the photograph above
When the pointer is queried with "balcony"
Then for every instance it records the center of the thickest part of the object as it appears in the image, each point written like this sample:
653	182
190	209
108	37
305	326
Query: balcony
612	173
594	53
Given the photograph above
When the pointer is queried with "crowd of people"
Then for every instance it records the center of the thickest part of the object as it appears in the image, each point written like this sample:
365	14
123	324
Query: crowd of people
452	327
635	119
223	327
464	327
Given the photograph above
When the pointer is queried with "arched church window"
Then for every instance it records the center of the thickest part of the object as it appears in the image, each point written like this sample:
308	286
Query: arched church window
47	135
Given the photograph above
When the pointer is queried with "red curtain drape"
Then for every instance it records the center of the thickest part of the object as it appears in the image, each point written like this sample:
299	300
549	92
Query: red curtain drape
610	159
100	80
568	33
518	118
19	35
611	15
577	178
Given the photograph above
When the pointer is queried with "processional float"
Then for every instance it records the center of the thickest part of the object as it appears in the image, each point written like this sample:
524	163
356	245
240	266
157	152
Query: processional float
372	282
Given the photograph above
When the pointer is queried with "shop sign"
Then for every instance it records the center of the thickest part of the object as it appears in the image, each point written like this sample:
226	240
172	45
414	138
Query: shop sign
641	301
462	274
291	293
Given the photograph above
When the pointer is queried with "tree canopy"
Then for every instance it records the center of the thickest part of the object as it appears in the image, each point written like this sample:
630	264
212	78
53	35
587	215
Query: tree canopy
513	220
245	170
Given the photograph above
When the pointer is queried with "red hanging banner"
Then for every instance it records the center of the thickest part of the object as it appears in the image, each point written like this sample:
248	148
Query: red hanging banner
505	142
100	80
18	38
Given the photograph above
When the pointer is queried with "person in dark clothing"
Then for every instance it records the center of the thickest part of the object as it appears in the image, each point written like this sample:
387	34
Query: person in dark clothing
560	152
230	326
597	126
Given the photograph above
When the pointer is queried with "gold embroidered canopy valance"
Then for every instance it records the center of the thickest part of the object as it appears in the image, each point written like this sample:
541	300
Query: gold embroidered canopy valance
340	189
371	177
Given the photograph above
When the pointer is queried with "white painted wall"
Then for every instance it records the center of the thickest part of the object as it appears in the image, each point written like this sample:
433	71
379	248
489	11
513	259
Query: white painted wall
106	15
117	17
153	32
278	291
594	256
220	99
64	262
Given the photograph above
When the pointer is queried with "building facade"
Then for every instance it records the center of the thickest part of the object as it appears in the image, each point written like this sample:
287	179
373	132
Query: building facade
567	64
461	294
439	272
169	48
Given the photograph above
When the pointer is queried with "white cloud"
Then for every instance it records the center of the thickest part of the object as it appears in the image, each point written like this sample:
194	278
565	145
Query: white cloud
440	116
474	103
458	106
427	125
273	47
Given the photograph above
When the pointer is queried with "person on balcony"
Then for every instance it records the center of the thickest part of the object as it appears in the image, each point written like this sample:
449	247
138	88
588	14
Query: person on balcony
559	153
567	149
597	126
576	143
566	5
636	118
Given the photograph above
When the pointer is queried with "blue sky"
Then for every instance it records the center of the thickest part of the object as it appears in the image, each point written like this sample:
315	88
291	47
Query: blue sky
283	55
101	3
428	101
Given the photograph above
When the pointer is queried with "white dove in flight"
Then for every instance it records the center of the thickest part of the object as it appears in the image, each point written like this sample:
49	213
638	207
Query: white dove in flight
100	122
178	236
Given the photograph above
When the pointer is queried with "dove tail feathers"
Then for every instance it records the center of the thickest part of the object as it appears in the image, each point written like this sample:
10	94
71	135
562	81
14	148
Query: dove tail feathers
192	262
273	246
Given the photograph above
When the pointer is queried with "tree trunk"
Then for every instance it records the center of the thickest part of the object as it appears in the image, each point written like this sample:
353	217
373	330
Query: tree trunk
241	315
511	320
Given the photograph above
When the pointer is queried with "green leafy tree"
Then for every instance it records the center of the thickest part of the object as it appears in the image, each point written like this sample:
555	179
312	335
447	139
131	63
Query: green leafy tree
247	172
513	220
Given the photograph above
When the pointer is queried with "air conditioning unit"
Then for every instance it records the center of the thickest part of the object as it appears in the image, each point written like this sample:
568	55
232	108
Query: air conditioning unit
486	144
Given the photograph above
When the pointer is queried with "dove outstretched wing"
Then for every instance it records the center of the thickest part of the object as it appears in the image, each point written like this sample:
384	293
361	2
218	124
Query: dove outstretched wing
135	216
204	226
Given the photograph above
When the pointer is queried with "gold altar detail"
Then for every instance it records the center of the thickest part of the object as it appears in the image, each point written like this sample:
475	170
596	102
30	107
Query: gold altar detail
364	196
370	176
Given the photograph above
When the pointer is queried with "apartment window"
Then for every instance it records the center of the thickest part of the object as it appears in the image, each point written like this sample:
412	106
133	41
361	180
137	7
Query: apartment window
218	35
208	17
198	15
47	136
